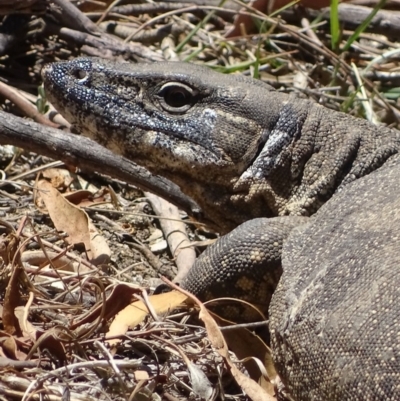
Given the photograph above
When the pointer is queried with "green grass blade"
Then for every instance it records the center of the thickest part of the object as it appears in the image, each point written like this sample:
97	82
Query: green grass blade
361	28
197	27
335	29
285	7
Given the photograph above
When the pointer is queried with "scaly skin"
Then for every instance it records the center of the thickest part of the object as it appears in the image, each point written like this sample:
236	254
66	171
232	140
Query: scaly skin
242	150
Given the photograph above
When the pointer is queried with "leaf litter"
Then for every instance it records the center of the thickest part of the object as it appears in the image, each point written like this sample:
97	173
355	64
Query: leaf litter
78	318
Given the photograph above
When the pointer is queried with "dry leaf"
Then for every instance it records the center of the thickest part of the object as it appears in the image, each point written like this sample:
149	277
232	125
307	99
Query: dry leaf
41	259
120	296
245	344
49	340
28	329
59	178
85	198
141	375
200	383
75	222
9	246
136	312
248	385
8	345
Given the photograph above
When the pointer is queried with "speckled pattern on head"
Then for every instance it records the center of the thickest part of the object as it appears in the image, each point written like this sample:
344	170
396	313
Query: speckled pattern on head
239	148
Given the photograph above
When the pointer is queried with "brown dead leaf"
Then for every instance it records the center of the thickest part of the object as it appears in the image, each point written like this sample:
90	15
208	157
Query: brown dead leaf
49	340
136	312
28	329
7	244
245	344
85	198
8	345
59	178
11	347
248	385
9	247
141	375
75	222
65	216
120	296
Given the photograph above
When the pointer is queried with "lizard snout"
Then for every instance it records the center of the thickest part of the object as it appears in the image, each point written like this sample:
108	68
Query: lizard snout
57	74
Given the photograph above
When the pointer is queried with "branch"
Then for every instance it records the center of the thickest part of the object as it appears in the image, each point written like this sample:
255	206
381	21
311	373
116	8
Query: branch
88	155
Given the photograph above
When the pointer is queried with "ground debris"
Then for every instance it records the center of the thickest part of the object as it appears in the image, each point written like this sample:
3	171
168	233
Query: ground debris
58	297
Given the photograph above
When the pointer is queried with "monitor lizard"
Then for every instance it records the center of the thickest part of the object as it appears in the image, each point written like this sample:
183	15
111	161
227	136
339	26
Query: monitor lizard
312	196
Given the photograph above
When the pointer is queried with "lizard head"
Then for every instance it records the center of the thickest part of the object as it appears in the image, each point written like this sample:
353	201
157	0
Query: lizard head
199	128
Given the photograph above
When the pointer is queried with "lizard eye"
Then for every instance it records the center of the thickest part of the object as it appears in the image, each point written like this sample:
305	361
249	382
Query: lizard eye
176	97
80	74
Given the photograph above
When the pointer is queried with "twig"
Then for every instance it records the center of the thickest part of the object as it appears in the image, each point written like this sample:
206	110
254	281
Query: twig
175	234
88	155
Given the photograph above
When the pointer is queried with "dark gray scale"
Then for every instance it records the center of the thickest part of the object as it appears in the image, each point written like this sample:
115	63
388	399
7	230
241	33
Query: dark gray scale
244	264
335	316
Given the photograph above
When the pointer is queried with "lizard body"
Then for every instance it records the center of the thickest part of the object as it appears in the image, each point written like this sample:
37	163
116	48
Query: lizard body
335	316
242	150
